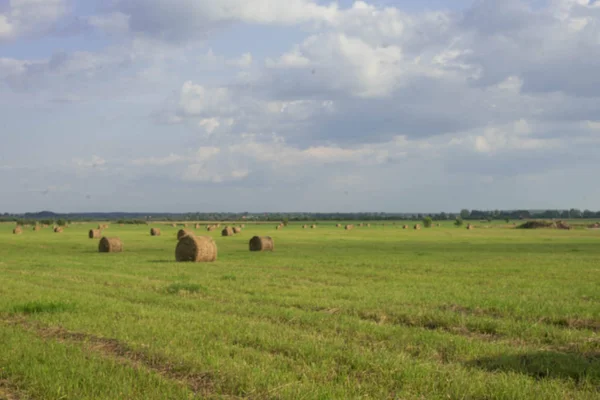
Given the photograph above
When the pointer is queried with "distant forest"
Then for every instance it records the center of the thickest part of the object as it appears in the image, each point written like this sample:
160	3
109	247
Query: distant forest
135	218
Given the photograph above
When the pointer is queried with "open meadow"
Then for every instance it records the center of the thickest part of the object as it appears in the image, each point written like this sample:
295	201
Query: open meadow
379	312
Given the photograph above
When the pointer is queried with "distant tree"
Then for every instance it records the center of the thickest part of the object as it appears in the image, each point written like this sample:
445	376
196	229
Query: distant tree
459	221
464	214
61	222
443	216
427	222
574	213
286	221
588	214
507	220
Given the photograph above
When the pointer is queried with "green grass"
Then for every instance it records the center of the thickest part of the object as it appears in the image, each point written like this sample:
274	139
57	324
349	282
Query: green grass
377	313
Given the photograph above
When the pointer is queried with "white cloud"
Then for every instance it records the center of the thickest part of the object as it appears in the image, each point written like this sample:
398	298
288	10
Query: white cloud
28	17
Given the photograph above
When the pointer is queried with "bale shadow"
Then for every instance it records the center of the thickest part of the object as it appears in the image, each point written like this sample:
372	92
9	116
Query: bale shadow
546	364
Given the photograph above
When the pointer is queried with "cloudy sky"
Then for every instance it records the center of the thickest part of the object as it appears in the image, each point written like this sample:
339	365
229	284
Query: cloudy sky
299	105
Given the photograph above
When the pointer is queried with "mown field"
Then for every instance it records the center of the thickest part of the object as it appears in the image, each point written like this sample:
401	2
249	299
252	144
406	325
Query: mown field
380	313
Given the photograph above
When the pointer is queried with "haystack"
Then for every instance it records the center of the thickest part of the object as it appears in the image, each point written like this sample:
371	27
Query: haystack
338	225
37	228
313	227
349	227
197	226
470	227
58	229
184	232
17	230
279	227
361	224
196	249
304	226
211	228
368	225
95	234
417	227
154	232
237	229
227	231
110	245
242	226
262	243
405	227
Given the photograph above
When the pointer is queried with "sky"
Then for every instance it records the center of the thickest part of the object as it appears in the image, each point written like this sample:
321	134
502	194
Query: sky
299	105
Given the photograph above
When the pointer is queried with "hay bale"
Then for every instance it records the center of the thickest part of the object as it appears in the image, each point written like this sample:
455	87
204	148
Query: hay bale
58	229
197	226
405	227
279	227
313	226
368	225
237	230
262	243
196	249
227	231
37	228
361	225
17	230
95	234
417	227
304	226
173	225
110	245
242	226
470	227
184	232
218	225
338	225
211	228
154	232
349	227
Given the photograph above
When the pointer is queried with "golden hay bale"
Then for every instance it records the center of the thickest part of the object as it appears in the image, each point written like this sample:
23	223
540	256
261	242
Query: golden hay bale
110	245
218	225
37	228
470	227
313	226
154	232
58	229
242	226
237	230
197	226
368	225
184	232
405	227
304	226
211	228
279	227
17	230
338	225
95	234
227	231
349	227
196	249
417	227
262	243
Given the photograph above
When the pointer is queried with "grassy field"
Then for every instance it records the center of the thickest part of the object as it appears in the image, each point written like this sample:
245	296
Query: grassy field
381	312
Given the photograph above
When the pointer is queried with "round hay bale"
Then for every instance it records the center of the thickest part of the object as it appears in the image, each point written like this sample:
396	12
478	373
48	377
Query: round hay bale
95	234
58	229
304	226
196	249
368	225
197	226
470	227
173	225
405	227
417	227
211	228
218	225
242	226
154	232
262	243
184	232
17	230
338	225
313	226
227	231
349	227
279	227
237	230
37	228
110	245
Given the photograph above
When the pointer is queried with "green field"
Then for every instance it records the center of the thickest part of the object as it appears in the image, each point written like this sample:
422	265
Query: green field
380	312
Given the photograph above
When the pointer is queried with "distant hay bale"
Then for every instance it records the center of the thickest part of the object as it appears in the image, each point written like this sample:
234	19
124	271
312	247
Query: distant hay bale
218	225
154	232
227	231
183	232
58	229
279	227
368	225
17	230
338	225
349	227
470	227
197	226
262	243
304	226
37	228
173	225
361	225
211	228
405	227
95	234
313	226
242	226
196	249
417	227
237	230
110	245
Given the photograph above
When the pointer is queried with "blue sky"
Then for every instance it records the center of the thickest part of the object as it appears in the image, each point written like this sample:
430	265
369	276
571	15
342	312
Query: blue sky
303	105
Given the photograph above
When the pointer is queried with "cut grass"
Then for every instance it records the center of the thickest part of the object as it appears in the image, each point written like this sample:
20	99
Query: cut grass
375	312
